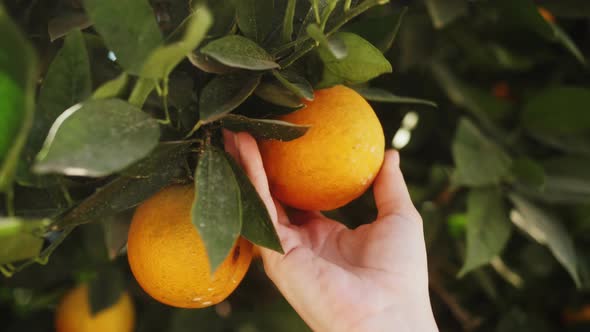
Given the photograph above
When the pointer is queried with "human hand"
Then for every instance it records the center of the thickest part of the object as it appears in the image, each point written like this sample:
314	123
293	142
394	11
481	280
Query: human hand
372	278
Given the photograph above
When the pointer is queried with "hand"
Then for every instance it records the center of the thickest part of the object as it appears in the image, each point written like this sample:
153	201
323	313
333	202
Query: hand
373	278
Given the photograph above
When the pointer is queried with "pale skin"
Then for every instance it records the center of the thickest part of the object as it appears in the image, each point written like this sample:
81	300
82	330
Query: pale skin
373	278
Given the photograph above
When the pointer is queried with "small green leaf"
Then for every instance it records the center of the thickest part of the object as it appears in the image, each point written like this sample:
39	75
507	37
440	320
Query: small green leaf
333	44
18	75
217	211
255	18
479	160
257	226
81	141
68	21
112	88
18	239
295	83
444	12
278	95
163	59
488	227
263	128
239	52
224	93
384	96
528	173
105	290
362	63
128	28
546	229
137	183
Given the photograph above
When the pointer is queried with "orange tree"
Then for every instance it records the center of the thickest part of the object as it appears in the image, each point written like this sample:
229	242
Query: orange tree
104	103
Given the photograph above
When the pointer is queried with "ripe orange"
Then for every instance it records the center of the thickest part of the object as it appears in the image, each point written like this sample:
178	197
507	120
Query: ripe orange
335	161
546	14
501	90
73	314
575	316
168	258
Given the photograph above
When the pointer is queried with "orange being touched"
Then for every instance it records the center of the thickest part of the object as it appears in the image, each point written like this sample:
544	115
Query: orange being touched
73	314
335	161
167	256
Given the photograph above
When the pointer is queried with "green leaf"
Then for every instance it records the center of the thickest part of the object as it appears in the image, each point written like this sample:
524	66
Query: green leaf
334	45
384	96
105	290
208	64
263	128
224	13
81	141
379	31
67	82
548	121
546	229
481	103
163	59
528	173
362	63
488	227
295	83
18	75
562	37
137	183
239	52
128	28
115	229
479	160
278	95
19	239
217	211
287	31
255	18
112	88
444	12
224	93
257	225
70	20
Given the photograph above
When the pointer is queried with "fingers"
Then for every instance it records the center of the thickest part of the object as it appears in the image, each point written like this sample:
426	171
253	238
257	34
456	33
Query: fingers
391	194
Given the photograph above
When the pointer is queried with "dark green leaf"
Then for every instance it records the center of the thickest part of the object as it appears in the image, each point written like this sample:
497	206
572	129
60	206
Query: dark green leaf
334	45
224	13
384	96
255	18
488	227
239	52
528	173
362	63
185	320
445	12
208	64
81	141
287	32
379	31
278	95
257	226
18	74
565	40
128	28
139	182
546	229
479	160
112	88
20	238
63	24
115	229
295	83
263	128
105	290
224	93
163	59
217	211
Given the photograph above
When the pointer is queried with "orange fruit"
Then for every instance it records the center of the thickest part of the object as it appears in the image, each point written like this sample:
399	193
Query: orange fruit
168	258
335	161
546	14
575	316
73	314
501	90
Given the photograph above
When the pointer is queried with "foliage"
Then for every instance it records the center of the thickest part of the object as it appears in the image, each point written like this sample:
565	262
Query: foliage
103	103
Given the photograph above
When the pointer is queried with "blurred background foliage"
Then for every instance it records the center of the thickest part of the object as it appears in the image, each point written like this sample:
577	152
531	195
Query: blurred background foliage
500	169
